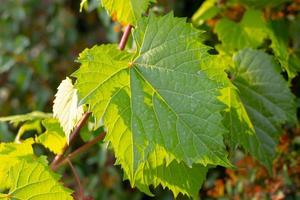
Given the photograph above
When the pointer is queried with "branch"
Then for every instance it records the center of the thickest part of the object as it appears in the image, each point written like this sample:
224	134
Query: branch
80	188
80	150
73	135
125	37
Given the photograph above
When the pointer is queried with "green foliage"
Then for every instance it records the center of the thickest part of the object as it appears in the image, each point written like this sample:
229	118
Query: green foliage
170	109
27	176
241	34
10	154
16	119
54	137
132	100
208	10
126	11
267	99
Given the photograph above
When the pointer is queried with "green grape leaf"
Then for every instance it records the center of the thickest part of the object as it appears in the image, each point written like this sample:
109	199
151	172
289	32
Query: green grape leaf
16	119
53	138
280	46
160	167
10	154
235	117
266	98
34	180
243	126
241	35
155	172
27	177
207	10
251	32
126	11
157	97
66	107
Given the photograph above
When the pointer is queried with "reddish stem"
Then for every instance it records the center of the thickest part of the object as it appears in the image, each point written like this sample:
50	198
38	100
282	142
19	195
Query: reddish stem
80	189
73	135
125	37
80	150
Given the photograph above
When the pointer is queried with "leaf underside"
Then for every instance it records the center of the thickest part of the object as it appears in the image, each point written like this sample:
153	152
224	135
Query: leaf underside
66	107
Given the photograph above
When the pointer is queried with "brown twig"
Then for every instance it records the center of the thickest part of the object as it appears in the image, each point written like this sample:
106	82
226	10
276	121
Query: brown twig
80	150
75	132
80	189
125	37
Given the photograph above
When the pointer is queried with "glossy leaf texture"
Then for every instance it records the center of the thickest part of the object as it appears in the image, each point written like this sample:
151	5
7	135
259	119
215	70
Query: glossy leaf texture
26	176
126	11
156	103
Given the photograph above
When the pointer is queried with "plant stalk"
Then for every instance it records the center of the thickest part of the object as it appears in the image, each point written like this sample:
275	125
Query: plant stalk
73	135
125	37
80	150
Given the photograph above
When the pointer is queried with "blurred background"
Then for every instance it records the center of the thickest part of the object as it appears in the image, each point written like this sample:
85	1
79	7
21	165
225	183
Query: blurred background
39	43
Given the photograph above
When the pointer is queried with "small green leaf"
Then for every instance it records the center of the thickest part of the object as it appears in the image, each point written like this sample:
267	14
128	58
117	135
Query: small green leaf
66	107
207	10
280	46
126	11
53	138
16	119
83	3
241	35
10	154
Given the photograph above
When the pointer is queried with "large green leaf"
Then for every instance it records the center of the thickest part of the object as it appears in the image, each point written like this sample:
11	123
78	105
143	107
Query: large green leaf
244	126
159	167
241	130
267	99
250	32
66	107
159	98
126	11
